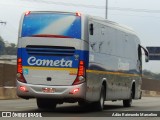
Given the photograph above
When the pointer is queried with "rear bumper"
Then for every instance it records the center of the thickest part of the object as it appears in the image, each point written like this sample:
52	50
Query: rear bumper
61	92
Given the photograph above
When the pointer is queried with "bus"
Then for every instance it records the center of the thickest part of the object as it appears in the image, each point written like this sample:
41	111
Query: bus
73	57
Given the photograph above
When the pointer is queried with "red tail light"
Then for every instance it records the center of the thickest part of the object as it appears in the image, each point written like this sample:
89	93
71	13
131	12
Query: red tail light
81	69
27	13
74	91
23	89
19	65
78	14
81	73
20	76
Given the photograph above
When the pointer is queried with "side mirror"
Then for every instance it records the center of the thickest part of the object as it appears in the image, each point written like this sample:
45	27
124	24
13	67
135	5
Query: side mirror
91	29
146	54
146	57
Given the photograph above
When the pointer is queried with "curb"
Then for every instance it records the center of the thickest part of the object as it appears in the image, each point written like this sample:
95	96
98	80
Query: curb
147	93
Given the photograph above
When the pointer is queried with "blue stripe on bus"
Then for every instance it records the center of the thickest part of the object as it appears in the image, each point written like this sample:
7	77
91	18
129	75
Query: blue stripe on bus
83	55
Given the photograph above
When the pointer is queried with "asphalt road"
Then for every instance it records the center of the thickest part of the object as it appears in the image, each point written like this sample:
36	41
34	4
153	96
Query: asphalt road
65	111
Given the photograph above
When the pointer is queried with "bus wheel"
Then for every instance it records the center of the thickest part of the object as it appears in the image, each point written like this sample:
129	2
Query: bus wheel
46	104
128	102
100	104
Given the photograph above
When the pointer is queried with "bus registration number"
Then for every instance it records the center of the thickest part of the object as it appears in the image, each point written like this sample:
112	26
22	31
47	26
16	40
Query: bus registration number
48	90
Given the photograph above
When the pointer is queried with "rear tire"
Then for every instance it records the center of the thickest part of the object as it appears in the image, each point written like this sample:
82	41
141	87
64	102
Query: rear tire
128	102
100	104
140	97
46	104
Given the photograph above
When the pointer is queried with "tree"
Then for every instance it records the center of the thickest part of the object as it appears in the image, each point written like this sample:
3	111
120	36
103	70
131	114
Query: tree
2	46
149	74
11	50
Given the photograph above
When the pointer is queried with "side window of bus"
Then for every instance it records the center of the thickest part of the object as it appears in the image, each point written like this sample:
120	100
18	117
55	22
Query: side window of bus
94	32
92	40
91	29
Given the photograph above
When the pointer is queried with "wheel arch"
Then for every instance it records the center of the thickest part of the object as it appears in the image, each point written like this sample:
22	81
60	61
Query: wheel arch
133	89
104	83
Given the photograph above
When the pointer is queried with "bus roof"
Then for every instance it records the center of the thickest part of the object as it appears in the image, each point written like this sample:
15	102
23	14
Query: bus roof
113	24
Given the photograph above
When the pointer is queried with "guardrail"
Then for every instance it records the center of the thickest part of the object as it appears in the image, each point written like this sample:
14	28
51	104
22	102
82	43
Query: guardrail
8	93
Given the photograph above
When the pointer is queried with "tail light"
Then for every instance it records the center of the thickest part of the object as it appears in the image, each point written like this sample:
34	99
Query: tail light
81	73
27	13
74	91
78	14
23	89
19	65
20	76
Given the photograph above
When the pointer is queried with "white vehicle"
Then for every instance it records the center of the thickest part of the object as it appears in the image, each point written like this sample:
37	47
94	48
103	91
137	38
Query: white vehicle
70	57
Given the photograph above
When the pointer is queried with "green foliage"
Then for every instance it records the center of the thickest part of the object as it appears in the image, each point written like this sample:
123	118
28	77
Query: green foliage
151	75
2	46
7	50
11	50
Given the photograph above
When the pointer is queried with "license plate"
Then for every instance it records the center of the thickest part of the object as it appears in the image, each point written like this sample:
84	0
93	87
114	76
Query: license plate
48	90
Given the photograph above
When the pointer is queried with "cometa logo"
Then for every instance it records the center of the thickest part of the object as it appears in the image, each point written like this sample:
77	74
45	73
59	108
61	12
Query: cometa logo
43	62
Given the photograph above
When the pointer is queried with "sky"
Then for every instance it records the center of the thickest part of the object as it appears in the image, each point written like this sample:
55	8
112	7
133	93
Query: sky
143	16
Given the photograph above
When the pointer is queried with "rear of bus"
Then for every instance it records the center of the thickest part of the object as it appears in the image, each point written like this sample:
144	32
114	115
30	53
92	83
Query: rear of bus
52	58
